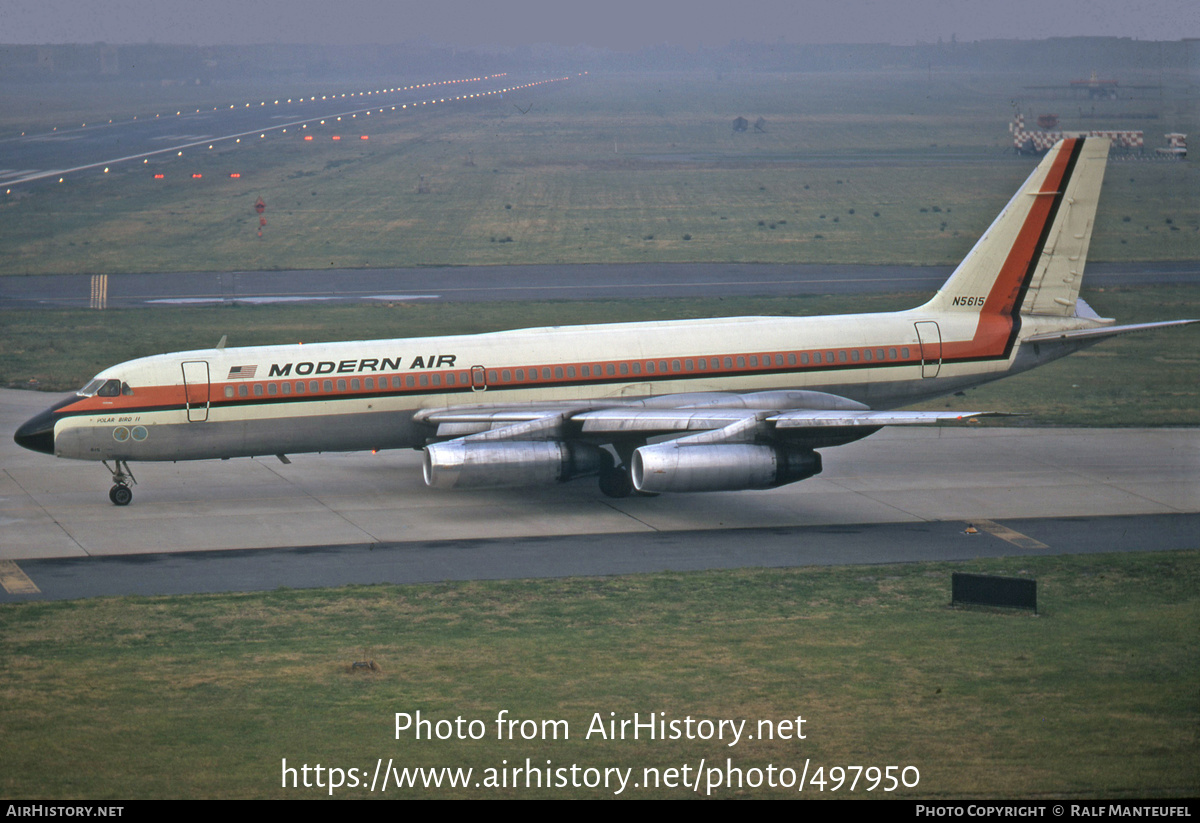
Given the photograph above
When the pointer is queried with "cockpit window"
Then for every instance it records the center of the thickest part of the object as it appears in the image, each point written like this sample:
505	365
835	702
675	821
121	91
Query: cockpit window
90	389
111	388
125	389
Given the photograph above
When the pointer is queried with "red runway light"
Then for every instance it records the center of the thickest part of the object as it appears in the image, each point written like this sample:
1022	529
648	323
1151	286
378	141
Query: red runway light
308	137
337	137
364	137
159	176
235	174
197	176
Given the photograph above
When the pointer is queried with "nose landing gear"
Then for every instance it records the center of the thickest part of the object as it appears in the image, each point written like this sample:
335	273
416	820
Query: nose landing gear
120	494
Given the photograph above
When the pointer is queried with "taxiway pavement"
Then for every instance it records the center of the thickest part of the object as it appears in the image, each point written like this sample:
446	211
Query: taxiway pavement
51	508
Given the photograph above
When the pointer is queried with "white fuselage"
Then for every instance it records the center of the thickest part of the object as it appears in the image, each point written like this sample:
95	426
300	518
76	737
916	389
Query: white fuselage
363	394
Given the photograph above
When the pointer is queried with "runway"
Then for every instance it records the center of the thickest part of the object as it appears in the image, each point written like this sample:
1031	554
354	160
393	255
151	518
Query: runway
100	143
897	495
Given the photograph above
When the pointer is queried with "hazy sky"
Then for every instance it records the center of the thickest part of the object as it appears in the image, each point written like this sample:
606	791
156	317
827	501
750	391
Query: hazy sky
614	24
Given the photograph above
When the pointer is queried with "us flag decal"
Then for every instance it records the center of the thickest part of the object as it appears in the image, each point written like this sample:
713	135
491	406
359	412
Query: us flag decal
242	372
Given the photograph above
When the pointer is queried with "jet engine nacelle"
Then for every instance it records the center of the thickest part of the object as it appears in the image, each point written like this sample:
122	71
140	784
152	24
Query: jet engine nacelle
666	467
467	464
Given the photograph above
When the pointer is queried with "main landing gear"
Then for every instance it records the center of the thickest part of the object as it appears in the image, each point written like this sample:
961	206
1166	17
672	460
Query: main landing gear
616	482
120	494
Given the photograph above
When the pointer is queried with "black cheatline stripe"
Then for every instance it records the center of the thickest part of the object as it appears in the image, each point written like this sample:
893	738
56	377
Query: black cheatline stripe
1036	258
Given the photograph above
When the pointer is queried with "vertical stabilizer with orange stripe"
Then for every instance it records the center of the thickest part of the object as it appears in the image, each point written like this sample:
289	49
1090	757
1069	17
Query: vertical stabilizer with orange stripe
1030	260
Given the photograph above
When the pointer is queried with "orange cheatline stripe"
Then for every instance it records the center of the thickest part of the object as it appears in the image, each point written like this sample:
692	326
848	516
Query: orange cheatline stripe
172	396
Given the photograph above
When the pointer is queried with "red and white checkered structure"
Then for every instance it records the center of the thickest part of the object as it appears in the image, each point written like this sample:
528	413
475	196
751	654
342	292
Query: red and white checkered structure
1038	141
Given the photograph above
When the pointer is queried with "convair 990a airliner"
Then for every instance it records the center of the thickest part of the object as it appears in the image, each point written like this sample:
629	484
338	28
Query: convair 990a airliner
679	406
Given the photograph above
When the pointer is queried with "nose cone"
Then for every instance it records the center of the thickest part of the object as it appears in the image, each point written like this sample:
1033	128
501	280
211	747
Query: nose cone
37	433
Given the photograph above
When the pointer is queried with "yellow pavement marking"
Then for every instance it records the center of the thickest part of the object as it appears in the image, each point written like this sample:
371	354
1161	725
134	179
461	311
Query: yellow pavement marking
1005	533
14	580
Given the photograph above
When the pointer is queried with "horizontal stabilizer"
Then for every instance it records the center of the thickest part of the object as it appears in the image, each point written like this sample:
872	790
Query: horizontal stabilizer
1102	332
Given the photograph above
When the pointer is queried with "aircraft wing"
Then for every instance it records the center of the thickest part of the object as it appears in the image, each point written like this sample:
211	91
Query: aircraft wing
673	414
713	441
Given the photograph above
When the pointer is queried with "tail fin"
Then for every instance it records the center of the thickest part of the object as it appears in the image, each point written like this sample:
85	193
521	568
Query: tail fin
1030	260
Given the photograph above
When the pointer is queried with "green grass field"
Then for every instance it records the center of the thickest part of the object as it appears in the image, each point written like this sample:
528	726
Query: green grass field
204	696
873	168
